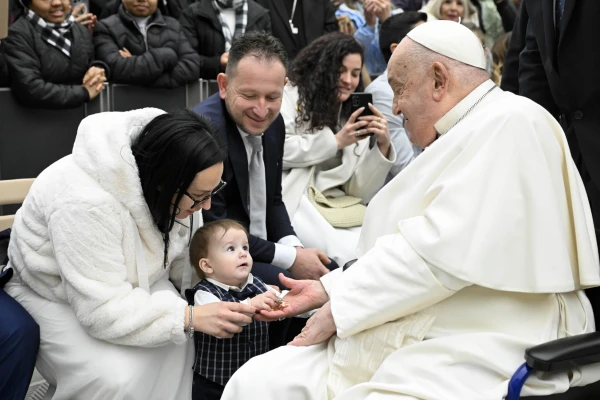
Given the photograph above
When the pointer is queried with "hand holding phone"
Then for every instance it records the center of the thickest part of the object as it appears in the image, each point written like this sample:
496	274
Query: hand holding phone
361	100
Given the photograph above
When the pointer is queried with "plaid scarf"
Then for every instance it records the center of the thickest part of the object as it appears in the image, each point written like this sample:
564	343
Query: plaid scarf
241	18
52	33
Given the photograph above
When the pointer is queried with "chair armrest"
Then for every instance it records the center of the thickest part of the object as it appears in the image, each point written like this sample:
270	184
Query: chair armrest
349	264
566	353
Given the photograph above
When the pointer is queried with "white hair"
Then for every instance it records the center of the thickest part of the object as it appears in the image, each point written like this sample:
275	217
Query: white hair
420	57
470	14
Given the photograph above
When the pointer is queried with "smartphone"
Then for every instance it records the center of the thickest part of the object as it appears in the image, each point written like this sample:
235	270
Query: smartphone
358	100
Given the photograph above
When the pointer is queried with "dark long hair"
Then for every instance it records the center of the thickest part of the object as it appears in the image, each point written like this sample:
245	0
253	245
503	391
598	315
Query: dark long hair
316	72
169	152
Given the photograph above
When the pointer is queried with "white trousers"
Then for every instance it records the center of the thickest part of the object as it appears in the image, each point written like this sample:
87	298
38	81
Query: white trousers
82	367
315	232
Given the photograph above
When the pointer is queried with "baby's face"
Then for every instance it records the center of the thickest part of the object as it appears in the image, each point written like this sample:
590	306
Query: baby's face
229	257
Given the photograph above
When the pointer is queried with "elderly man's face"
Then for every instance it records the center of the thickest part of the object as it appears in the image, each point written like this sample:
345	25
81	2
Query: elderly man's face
253	93
413	97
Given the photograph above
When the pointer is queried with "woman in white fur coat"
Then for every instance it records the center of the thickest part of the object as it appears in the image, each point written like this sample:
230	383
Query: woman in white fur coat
320	132
96	245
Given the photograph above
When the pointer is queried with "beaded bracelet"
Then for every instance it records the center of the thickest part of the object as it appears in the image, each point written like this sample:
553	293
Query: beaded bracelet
190	330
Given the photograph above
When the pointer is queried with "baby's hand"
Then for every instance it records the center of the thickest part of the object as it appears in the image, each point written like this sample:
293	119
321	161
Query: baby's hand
265	301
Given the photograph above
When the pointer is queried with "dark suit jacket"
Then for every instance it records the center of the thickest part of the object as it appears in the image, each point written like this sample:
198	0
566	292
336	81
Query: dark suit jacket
563	75
232	201
319	19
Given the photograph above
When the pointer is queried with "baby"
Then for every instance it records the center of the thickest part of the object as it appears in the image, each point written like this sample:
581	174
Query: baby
219	254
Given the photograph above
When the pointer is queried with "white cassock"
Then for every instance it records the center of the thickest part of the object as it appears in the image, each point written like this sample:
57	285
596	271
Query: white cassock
478	250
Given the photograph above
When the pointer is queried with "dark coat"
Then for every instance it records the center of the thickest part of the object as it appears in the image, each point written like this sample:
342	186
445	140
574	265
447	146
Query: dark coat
561	74
232	201
163	59
318	17
41	75
203	28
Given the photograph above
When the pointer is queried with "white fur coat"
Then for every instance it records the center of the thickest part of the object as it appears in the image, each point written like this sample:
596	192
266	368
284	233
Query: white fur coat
73	240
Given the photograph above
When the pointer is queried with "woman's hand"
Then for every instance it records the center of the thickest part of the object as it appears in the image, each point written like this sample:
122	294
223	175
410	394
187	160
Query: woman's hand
264	301
352	131
378	125
221	319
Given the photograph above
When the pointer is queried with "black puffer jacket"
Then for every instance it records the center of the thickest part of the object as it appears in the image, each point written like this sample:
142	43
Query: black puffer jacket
203	28
163	59
41	75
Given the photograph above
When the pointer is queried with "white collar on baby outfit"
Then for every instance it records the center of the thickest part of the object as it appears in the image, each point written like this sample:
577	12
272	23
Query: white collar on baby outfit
234	288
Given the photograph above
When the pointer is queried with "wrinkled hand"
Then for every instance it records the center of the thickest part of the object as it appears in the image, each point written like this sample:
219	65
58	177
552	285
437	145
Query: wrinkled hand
264	301
345	24
309	264
377	124
224	60
222	319
124	52
304	295
352	131
319	328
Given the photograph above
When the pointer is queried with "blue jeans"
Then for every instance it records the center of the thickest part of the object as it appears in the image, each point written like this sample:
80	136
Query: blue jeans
19	343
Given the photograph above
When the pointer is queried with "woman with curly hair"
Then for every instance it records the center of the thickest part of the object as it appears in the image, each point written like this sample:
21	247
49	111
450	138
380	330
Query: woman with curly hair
327	150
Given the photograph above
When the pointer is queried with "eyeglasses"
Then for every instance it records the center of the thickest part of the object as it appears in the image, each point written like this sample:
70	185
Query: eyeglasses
219	187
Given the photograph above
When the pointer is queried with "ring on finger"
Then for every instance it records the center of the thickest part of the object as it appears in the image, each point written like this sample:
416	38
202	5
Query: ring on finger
357	133
379	120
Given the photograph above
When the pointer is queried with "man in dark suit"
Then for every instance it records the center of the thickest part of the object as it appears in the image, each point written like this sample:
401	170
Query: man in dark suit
310	19
246	111
558	69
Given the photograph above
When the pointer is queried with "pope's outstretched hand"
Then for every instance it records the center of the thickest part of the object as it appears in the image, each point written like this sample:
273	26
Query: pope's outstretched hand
304	295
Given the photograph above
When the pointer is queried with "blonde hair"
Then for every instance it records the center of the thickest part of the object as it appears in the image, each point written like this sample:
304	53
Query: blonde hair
470	14
499	53
204	236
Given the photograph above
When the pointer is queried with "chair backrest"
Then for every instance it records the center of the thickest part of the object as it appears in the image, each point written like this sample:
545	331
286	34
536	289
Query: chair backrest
12	192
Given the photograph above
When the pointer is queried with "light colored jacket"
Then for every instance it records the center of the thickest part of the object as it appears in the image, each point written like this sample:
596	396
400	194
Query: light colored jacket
359	171
74	238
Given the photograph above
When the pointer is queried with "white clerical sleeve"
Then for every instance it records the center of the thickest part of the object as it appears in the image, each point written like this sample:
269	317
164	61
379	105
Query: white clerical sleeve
392	281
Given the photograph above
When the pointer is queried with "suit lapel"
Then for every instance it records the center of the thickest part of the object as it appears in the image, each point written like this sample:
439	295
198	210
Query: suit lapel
569	6
269	151
237	157
548	15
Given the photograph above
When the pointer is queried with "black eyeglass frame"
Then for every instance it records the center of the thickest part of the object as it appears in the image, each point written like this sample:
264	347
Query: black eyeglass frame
220	187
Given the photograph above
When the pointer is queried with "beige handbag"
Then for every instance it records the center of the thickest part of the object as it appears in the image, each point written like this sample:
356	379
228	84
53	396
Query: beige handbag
341	212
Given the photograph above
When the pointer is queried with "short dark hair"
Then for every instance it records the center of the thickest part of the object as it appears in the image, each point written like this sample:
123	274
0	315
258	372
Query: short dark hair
260	45
395	28
203	238
169	152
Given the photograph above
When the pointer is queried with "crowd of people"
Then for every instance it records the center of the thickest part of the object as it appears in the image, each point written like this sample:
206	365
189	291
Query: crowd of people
58	55
173	255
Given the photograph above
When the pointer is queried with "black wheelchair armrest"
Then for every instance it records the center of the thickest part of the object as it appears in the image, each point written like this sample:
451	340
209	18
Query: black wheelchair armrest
349	264
566	353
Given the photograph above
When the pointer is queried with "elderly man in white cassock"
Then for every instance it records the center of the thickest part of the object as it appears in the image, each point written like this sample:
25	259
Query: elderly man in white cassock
476	251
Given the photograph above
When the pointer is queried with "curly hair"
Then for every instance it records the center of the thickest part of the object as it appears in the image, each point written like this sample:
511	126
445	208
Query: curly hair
316	72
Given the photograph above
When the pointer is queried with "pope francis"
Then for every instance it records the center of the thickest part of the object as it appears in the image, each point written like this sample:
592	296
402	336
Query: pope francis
479	249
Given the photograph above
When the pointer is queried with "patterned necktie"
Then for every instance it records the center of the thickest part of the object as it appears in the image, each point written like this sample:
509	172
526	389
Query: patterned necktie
560	10
257	197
